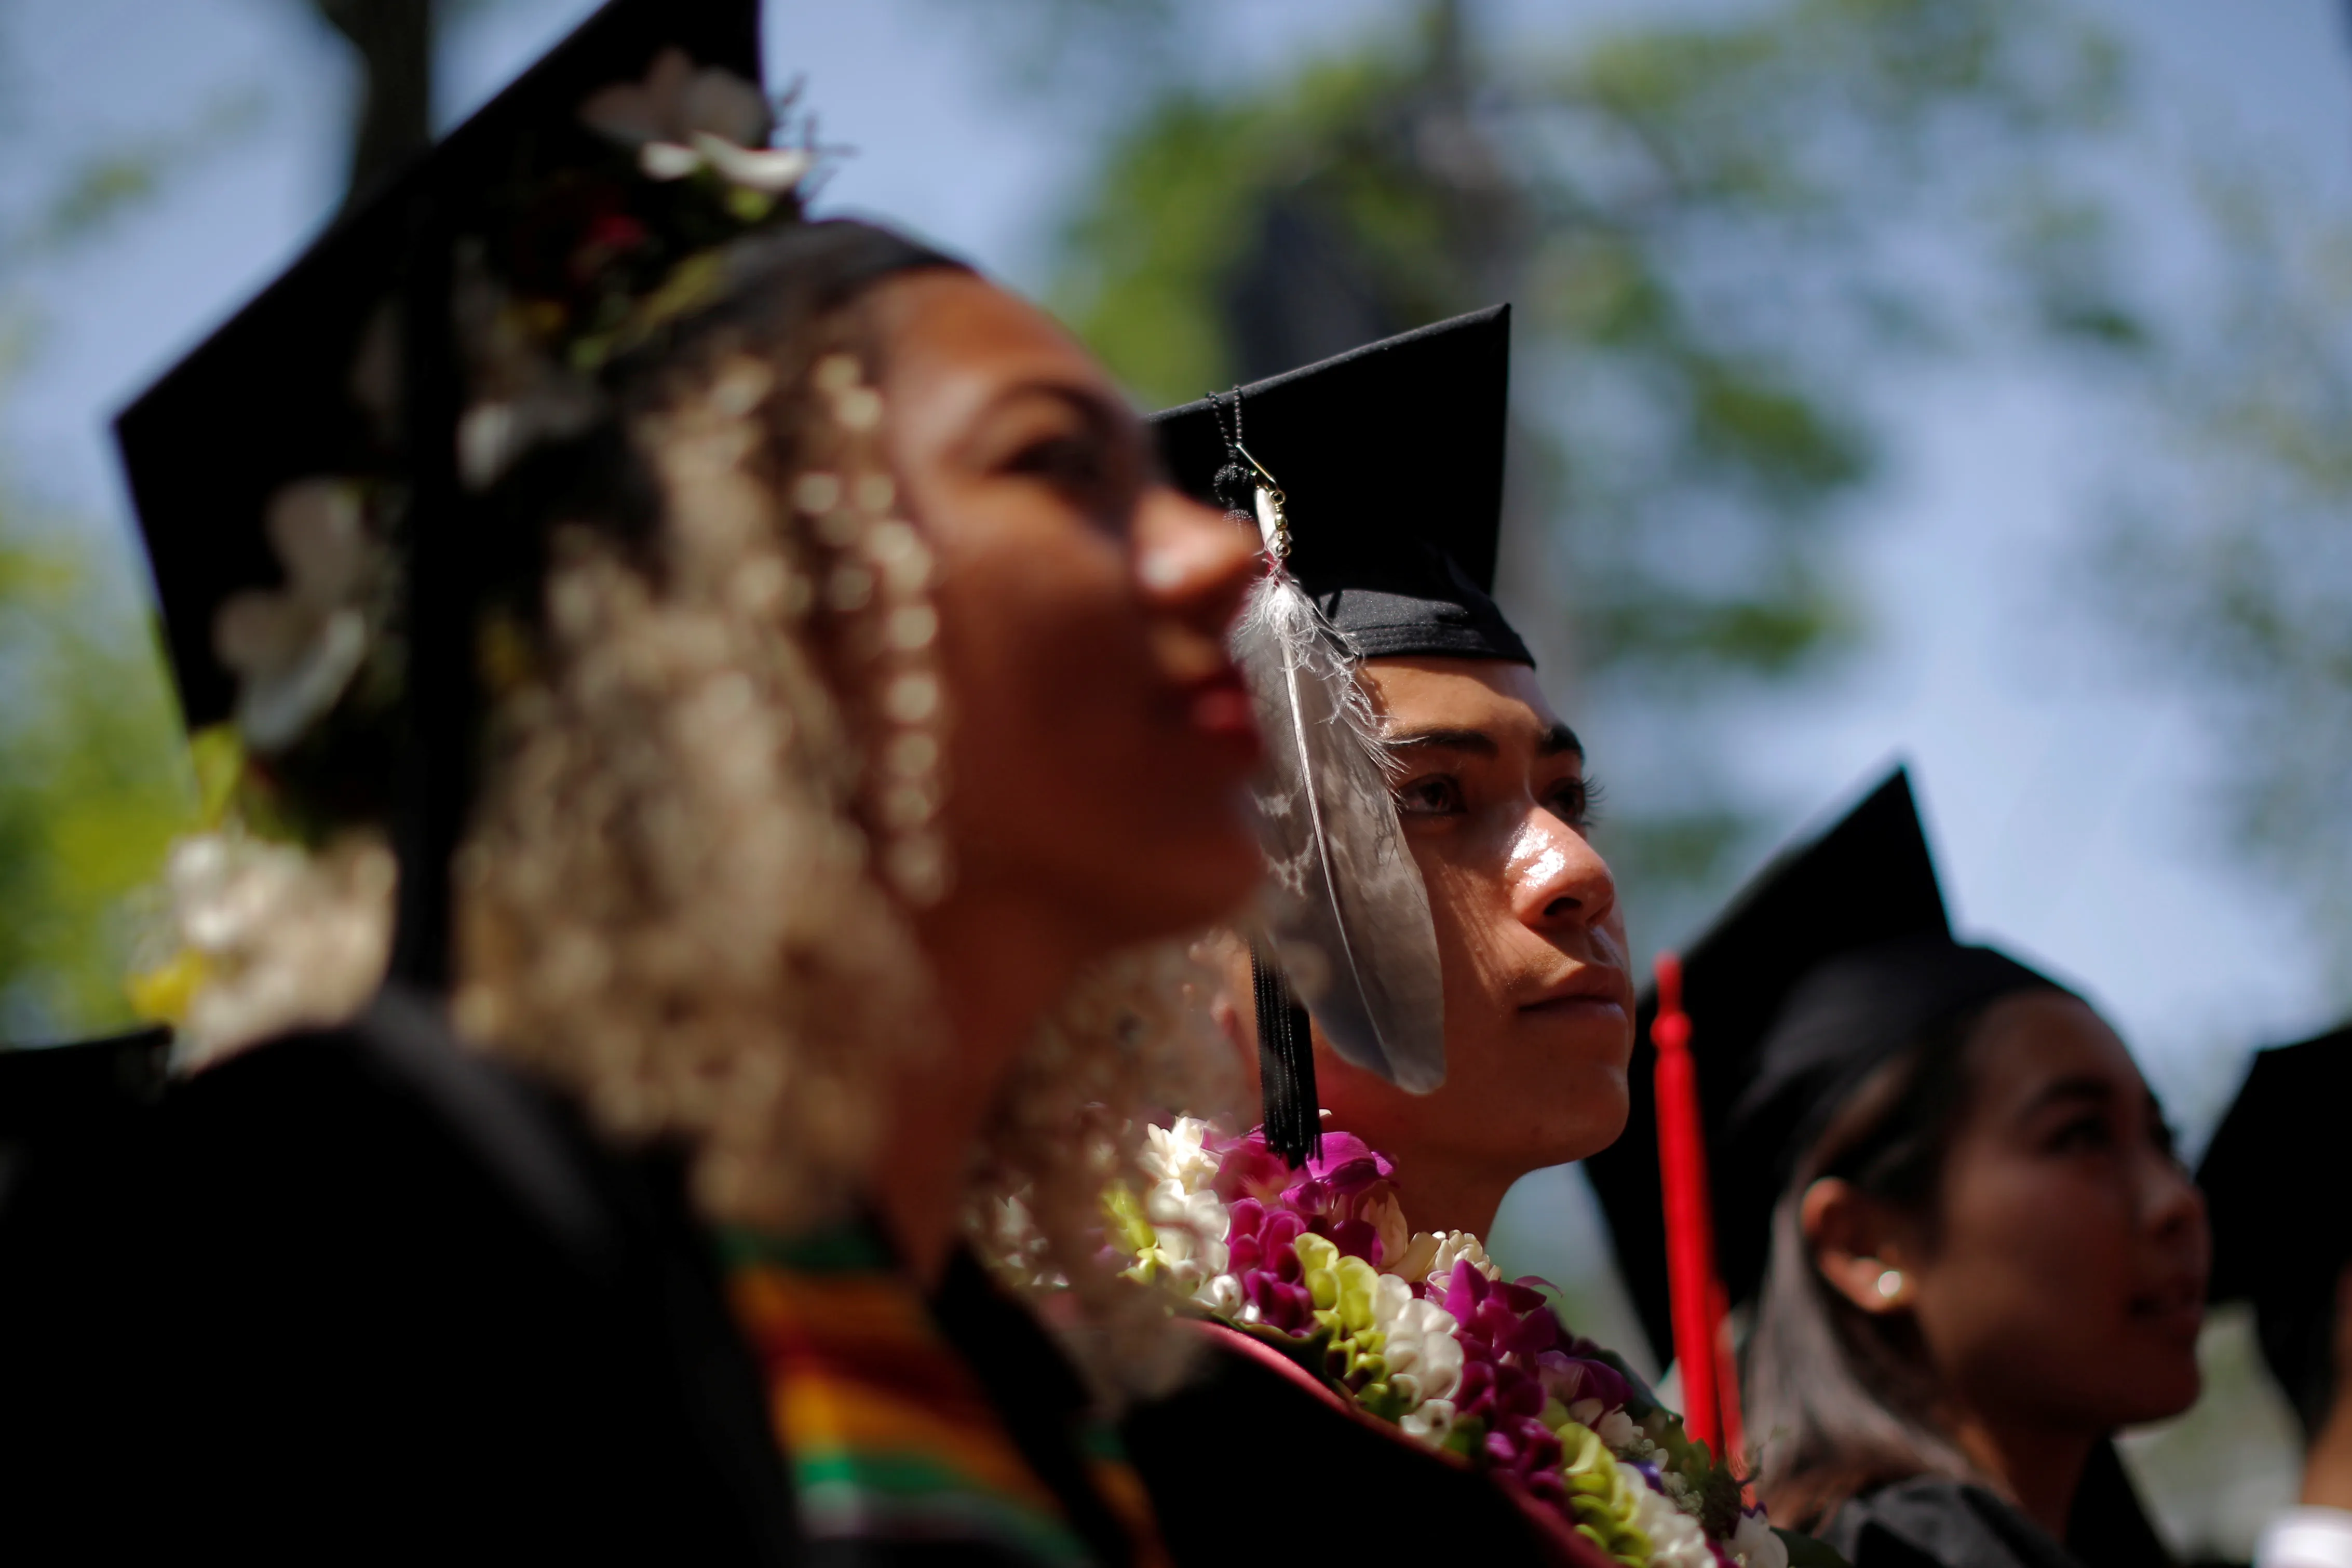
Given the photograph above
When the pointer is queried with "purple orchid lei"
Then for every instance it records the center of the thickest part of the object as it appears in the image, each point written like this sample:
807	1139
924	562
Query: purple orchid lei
1422	1330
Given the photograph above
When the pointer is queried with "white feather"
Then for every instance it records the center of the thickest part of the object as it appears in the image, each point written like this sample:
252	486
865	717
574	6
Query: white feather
1344	901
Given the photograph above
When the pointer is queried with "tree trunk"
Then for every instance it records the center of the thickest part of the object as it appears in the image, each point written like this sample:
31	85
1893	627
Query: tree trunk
394	123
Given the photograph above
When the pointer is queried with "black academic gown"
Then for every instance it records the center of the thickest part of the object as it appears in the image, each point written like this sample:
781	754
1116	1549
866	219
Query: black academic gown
1929	1521
361	1295
1244	1465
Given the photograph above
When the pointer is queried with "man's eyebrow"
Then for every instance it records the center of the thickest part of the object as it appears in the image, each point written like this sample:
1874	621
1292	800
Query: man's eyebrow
1474	741
1558	740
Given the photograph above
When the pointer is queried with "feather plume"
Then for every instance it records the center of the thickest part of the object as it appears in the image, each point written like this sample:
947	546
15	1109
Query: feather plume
1344	903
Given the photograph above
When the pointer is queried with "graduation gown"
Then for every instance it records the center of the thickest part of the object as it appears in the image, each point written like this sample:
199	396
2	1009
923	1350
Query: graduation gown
1252	1462
362	1295
1930	1521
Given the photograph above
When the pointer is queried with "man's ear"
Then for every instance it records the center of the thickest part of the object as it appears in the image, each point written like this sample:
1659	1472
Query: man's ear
1852	1240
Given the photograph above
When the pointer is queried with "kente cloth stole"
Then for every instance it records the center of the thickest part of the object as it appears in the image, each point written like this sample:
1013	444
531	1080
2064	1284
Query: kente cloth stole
886	1435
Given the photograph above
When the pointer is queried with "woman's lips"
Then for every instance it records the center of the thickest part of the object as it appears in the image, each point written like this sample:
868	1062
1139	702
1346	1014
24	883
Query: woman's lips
2178	1308
1220	707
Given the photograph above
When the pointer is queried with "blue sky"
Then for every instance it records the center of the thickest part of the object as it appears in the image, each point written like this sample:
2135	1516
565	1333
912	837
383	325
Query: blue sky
2066	790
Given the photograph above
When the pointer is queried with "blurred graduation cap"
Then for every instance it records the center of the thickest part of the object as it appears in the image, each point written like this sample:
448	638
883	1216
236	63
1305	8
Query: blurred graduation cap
1834	957
275	394
73	1100
347	366
318	483
52	1093
1390	456
1385	467
2273	1182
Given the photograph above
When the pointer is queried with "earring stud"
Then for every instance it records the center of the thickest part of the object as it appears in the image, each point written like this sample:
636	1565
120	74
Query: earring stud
1890	1284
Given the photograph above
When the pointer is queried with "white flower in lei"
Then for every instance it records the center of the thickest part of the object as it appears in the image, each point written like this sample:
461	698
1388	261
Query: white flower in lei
1615	1428
1188	1220
1755	1544
1424	1359
295	650
1452	1247
1430	1256
1176	1153
680	119
1388	1335
1675	1539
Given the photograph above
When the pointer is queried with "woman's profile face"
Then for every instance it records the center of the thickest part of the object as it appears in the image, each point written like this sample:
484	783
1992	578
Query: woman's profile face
1099	737
2065	1282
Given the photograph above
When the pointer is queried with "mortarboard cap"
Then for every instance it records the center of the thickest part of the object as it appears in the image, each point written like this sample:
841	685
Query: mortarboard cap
2272	1177
411	359
1833	958
53	1094
274	396
1391	462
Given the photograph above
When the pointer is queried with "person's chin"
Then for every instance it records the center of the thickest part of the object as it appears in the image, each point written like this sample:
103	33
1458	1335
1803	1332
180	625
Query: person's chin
2157	1376
1602	1107
1586	1030
2162	1396
1589	1107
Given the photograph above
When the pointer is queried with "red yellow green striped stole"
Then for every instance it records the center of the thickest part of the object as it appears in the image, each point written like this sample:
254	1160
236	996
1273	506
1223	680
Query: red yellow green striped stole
888	1434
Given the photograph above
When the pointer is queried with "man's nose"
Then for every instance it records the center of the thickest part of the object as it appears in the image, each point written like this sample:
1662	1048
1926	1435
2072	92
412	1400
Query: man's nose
1555	877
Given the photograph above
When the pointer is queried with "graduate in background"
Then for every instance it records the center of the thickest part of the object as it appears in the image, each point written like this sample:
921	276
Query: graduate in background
2274	1182
1440	912
1949	1203
756	661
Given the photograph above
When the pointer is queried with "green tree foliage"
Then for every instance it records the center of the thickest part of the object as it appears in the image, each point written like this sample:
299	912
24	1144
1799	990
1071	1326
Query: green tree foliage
93	780
1709	230
94	773
2229	557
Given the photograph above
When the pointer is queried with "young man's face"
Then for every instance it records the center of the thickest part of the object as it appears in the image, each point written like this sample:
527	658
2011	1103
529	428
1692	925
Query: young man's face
1538	994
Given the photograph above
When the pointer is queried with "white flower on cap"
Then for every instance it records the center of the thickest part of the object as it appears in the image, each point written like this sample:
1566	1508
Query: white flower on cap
680	119
295	651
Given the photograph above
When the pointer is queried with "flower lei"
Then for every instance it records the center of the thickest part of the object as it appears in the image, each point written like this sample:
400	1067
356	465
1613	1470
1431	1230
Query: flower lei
1420	1329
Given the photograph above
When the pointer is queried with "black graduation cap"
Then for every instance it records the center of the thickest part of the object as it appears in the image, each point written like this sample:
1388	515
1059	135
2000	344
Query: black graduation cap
350	366
282	393
50	1094
270	397
2273	1185
1391	460
1832	959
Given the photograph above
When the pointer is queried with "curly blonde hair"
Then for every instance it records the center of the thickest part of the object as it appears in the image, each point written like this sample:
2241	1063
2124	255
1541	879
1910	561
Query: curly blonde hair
684	892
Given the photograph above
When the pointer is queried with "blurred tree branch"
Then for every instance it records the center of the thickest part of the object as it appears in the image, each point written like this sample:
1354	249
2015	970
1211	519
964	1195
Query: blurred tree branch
1715	233
2228	553
93	774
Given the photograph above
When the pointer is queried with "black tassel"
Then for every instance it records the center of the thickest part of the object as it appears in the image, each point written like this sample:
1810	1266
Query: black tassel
1285	1063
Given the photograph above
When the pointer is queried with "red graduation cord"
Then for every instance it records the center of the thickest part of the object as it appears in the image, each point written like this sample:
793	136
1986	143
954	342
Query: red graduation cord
1702	1332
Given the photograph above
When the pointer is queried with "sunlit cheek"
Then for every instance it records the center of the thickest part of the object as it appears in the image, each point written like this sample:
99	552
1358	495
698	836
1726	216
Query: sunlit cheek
1460	908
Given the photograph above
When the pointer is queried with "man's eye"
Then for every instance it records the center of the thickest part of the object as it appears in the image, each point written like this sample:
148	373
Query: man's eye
1573	801
1436	795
